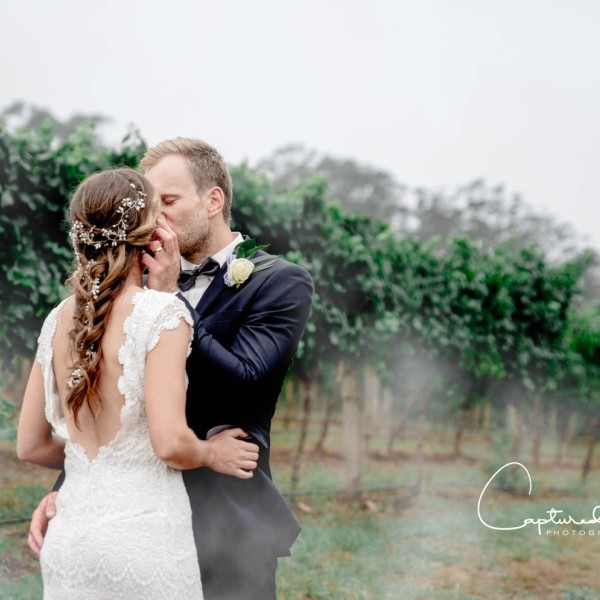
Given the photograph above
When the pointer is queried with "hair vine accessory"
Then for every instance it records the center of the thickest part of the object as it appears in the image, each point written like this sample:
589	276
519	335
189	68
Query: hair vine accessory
96	288
100	237
75	378
94	283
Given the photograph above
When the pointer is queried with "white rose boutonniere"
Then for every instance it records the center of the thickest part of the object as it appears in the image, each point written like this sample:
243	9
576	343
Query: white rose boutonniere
240	267
238	270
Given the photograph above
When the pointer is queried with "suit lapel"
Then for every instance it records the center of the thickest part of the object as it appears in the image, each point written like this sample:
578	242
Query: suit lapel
216	287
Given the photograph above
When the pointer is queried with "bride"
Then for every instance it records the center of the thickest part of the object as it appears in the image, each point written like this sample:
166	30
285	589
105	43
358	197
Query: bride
106	401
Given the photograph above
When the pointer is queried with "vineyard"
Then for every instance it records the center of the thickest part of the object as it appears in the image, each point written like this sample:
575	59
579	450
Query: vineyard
421	356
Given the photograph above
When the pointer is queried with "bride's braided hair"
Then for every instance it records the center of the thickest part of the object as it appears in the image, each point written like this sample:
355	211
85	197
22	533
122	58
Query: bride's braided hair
113	215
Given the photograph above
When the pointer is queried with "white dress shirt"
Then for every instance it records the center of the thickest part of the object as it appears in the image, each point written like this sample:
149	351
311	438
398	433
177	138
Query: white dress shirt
194	294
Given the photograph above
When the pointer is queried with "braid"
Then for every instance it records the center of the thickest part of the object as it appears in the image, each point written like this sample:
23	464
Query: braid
102	268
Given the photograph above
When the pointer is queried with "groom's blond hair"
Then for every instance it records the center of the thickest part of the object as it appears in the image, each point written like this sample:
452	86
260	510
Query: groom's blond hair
207	166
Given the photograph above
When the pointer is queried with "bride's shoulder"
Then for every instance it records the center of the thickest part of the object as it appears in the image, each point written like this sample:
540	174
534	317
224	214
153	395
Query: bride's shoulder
156	311
156	301
60	314
147	295
66	305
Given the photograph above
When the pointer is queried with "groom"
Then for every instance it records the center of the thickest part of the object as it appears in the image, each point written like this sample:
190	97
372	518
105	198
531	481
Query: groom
245	336
246	332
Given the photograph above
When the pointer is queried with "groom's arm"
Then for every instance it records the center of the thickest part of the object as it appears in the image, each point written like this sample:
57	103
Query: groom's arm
270	333
272	329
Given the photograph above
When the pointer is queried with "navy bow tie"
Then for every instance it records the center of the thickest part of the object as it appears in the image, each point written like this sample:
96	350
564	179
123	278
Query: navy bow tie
187	277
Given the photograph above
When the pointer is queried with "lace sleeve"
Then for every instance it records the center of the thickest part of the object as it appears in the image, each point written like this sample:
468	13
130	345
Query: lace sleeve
44	342
44	348
170	315
52	406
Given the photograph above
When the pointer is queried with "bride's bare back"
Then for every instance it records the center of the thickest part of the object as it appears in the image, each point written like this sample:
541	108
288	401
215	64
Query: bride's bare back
99	428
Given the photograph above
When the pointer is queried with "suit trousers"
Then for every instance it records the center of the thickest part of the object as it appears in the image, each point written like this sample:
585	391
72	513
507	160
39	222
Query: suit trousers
237	577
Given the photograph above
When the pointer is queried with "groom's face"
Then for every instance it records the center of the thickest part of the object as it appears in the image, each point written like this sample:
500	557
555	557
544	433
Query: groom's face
184	208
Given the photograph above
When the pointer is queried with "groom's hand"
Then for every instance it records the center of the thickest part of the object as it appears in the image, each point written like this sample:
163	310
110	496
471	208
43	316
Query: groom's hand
231	455
162	258
39	522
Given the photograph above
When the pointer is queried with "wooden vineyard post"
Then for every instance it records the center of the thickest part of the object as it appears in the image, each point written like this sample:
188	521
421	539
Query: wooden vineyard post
352	430
372	405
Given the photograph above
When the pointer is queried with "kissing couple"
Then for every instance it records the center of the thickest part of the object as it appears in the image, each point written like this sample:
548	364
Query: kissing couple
153	389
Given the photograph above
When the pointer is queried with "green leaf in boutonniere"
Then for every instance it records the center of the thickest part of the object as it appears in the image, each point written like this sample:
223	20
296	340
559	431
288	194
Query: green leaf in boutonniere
247	248
240	266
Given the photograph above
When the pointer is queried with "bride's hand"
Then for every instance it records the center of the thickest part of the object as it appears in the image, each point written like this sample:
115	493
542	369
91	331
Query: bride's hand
232	456
161	258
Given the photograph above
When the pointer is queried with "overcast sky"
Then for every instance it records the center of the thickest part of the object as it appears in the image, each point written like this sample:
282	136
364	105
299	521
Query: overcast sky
437	92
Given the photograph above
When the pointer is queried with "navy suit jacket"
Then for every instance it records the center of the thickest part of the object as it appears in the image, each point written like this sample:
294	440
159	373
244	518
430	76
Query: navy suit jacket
243	345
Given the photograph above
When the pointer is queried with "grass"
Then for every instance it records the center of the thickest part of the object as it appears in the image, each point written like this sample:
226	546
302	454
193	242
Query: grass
389	545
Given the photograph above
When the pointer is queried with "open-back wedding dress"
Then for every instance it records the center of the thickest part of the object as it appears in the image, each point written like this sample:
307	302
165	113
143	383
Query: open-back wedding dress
123	525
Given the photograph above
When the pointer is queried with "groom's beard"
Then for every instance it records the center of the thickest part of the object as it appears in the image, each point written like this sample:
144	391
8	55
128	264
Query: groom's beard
194	245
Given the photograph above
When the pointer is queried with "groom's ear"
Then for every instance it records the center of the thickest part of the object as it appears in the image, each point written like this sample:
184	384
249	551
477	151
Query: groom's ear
216	201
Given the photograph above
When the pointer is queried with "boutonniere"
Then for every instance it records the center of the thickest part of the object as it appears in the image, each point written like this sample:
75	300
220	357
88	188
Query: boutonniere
240	267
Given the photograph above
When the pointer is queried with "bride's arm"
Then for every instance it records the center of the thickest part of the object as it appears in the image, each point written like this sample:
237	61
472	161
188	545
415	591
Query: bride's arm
36	442
173	441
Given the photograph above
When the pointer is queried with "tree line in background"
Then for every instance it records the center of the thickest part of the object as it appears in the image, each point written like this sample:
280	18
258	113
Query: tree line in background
462	305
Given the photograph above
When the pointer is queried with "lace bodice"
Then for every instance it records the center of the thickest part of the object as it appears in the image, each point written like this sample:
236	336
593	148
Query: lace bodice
123	524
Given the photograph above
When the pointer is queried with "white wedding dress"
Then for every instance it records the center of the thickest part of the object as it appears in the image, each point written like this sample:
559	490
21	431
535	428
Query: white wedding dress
123	526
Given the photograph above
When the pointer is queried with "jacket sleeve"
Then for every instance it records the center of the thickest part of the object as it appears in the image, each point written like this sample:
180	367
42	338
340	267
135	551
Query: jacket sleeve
270	333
